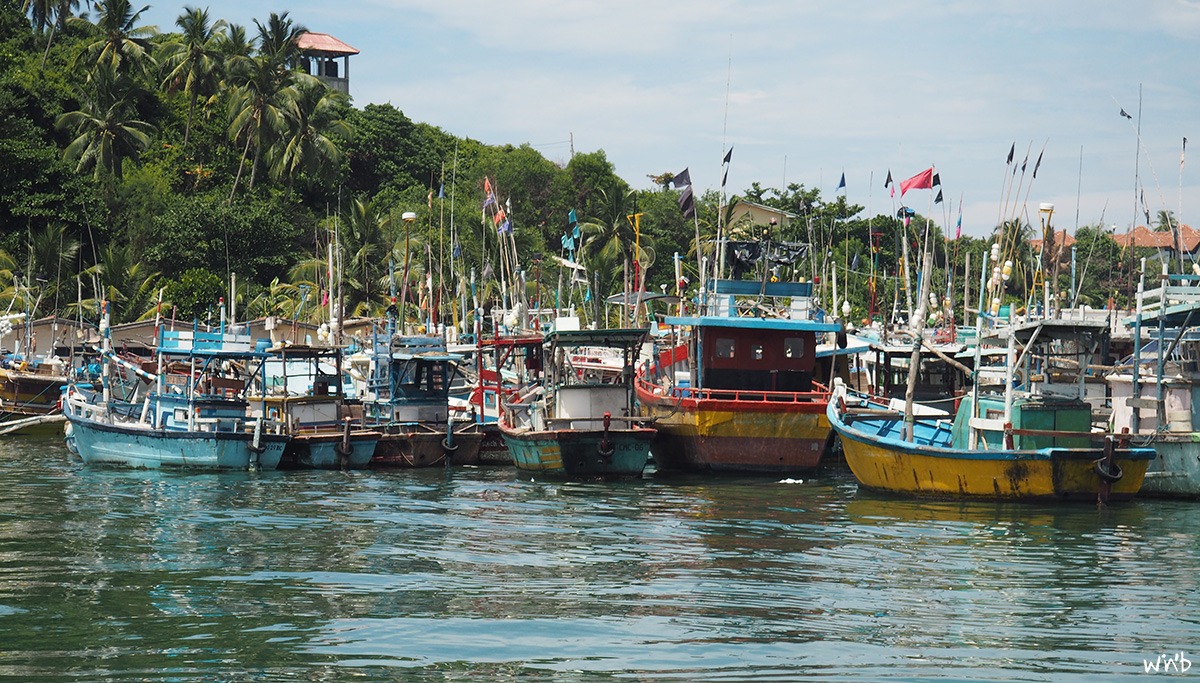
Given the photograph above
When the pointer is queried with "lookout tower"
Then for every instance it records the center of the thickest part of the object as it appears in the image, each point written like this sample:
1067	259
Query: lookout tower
319	57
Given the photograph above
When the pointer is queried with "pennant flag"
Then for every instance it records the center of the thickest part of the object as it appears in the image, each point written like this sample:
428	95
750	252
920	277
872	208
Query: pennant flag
1039	163
921	181
958	230
1011	151
687	203
487	185
938	199
1125	114
841	183
724	177
498	217
888	182
441	190
937	180
1182	153
728	155
571	219
854	263
505	227
457	250
1024	162
682	178
566	239
431	200
491	199
576	233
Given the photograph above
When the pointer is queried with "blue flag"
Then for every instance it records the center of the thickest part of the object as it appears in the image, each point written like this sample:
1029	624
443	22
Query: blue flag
571	217
841	183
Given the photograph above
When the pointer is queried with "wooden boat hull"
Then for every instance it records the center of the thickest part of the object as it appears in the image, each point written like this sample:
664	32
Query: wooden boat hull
325	451
580	453
1175	472
101	444
746	436
882	461
408	445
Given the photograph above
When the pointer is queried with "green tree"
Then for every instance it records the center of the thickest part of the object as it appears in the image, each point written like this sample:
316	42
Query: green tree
196	294
126	283
123	46
193	63
106	132
314	121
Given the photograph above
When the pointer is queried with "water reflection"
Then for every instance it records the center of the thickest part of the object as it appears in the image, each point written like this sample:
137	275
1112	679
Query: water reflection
463	574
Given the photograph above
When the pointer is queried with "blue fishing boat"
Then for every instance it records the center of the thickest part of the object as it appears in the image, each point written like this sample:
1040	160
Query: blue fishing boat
1154	390
408	400
1033	444
191	414
305	391
576	422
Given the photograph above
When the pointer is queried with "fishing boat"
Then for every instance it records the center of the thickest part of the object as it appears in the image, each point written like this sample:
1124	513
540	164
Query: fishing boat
578	422
1033	444
304	390
191	414
505	366
1154	389
739	393
29	387
407	399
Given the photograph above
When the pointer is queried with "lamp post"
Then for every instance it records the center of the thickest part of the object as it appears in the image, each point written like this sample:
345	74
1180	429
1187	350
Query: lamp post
1046	211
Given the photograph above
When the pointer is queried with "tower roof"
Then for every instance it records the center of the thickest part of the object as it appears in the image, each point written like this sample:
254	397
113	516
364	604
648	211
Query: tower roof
323	44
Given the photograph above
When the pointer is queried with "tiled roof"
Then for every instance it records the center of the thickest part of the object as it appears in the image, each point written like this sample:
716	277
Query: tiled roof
1062	240
324	44
1141	236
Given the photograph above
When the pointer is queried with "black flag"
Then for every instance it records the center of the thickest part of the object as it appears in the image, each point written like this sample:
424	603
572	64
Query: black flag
1038	164
728	155
1126	115
937	180
1024	162
889	178
682	178
687	203
1011	151
939	197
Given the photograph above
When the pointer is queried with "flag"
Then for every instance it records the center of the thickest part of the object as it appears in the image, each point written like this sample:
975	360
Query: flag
958	230
441	190
938	199
487	185
888	182
724	178
457	250
505	227
854	263
1011	151
1182	153
1126	115
921	181
841	183
571	219
431	200
1024	162
1039	163
937	180
682	178
491	199
728	155
687	203
498	217
576	233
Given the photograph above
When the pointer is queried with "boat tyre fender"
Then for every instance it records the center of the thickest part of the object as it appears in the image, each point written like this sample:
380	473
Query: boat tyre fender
343	449
449	447
606	449
1108	472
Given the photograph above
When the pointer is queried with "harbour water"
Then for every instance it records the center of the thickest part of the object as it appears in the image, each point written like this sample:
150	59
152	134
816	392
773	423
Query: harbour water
484	575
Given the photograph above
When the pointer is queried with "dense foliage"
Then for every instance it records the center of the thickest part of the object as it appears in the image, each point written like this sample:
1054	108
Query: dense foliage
139	165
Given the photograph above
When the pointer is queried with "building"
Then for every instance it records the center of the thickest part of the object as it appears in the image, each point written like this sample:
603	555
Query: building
1163	242
319	54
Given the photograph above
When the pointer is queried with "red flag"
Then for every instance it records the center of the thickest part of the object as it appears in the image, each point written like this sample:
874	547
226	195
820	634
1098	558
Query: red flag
921	181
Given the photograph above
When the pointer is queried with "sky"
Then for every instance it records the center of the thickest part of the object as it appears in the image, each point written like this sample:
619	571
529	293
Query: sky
805	91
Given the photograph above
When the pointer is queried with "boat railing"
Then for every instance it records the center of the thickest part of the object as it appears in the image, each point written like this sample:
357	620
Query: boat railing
735	395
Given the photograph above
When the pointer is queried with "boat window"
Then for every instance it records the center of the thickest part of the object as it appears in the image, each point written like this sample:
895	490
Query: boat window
725	348
756	351
793	347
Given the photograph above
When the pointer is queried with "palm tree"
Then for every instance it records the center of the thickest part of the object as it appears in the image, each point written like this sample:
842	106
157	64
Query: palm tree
279	298
313	117
258	113
193	64
52	256
609	238
106	132
365	242
123	45
278	40
51	14
126	283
